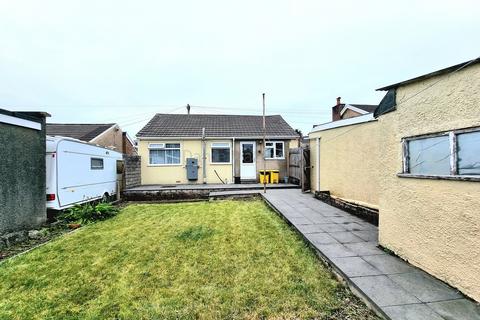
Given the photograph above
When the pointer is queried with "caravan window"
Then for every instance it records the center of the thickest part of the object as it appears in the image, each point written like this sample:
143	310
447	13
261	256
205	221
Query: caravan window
96	163
164	153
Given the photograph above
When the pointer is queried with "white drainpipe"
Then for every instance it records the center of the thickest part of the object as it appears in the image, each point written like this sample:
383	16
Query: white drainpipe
317	164
204	157
233	160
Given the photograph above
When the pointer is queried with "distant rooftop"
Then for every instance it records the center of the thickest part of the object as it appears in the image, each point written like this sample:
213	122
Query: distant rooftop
80	131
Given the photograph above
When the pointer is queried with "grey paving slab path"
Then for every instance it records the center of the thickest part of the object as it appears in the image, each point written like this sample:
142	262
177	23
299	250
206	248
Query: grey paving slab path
394	288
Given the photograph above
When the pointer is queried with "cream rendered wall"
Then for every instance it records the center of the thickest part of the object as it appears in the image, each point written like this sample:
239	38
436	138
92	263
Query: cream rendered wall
176	174
348	162
434	224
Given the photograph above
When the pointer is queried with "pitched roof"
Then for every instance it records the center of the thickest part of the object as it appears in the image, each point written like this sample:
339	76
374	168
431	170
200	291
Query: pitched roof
190	125
83	131
454	68
366	107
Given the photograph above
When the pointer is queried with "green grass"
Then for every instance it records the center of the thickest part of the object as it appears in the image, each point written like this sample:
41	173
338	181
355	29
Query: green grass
208	260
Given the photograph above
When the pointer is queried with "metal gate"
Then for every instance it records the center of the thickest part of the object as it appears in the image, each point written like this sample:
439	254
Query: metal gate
299	167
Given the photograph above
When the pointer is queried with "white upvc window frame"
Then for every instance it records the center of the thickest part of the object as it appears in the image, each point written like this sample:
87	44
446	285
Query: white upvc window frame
453	144
162	146
220	145
274	149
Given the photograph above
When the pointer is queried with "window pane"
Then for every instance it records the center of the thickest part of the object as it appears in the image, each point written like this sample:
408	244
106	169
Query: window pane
172	145
172	156
468	148
247	153
157	156
268	152
279	150
96	163
429	156
220	145
221	155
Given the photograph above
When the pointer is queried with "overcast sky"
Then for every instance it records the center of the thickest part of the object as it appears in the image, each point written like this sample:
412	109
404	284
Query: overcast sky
122	61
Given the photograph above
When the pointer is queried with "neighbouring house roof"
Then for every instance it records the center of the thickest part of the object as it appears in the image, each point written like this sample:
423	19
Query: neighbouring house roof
343	122
456	67
360	108
83	131
190	125
365	107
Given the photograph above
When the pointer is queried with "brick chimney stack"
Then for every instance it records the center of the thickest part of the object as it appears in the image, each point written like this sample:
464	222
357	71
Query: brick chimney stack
336	110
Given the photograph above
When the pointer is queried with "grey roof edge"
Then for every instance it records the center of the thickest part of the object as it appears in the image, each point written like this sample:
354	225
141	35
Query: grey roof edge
453	68
214	137
26	115
81	124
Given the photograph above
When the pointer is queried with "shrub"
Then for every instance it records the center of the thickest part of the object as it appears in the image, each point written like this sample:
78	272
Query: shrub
86	213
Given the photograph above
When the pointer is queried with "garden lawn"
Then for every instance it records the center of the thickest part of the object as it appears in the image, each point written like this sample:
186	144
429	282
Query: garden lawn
207	260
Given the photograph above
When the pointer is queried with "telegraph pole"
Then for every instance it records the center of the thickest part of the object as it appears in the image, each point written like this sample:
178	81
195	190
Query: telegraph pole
264	148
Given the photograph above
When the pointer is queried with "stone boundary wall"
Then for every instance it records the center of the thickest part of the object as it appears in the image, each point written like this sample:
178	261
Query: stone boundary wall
131	172
365	213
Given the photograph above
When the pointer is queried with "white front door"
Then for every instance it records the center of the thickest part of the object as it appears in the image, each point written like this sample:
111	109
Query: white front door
248	166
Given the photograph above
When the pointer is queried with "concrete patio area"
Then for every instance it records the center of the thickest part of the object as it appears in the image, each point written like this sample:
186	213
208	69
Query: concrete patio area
393	288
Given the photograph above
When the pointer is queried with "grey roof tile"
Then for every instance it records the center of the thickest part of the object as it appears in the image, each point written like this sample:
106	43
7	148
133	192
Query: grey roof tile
80	131
184	125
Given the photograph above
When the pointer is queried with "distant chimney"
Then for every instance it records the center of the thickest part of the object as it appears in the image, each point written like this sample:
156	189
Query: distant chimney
336	109
188	109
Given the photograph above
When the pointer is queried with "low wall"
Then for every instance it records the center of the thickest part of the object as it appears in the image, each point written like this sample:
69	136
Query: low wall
365	213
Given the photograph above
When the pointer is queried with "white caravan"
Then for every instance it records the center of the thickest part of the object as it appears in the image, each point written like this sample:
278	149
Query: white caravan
78	172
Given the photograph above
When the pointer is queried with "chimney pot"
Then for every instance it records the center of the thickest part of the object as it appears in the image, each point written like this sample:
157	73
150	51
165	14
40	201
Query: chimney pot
339	100
188	109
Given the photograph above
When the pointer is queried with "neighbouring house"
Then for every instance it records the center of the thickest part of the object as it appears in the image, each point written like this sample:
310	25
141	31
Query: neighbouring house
416	160
429	173
108	135
22	183
350	110
201	148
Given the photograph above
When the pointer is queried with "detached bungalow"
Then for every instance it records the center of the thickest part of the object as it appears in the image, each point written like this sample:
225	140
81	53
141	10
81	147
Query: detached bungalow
200	148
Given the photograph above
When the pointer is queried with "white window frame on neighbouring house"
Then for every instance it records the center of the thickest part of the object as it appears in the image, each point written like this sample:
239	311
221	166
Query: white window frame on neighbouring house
220	146
273	145
167	146
454	149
